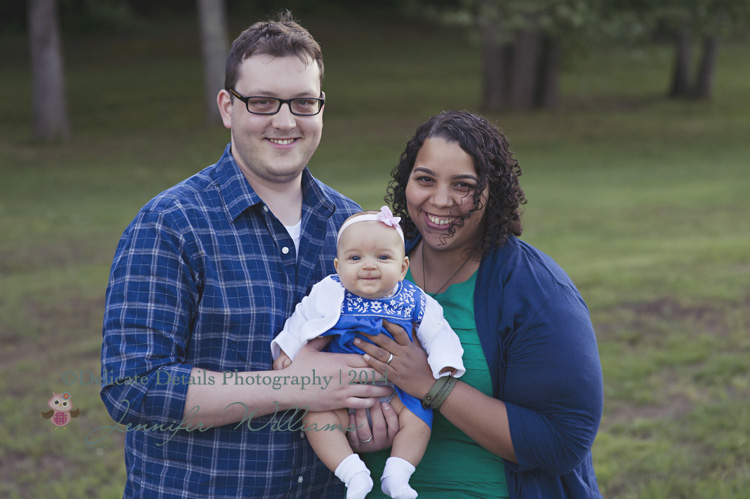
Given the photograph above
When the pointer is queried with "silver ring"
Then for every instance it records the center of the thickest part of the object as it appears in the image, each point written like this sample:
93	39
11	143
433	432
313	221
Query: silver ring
388	362
365	441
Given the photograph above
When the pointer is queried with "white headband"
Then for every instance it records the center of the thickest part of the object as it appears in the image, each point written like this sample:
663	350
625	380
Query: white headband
385	216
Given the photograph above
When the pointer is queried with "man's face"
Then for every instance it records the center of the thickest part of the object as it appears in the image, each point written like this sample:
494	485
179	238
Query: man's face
273	149
370	259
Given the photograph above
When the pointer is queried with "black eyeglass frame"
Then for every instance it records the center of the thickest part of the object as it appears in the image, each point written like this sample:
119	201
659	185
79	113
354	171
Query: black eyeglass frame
288	102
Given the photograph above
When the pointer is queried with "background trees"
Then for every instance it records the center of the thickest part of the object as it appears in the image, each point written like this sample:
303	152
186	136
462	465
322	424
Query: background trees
214	47
523	43
683	24
49	111
704	21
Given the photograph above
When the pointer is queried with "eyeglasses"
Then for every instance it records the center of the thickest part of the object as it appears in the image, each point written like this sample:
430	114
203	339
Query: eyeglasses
301	106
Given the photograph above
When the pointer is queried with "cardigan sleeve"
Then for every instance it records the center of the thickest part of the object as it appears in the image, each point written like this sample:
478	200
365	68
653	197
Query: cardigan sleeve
314	315
442	344
553	384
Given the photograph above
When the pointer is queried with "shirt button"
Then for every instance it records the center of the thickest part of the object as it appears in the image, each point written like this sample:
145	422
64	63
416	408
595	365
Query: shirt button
299	479
285	250
302	434
265	208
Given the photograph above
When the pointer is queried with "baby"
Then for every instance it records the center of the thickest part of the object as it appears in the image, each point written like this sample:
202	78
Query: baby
369	287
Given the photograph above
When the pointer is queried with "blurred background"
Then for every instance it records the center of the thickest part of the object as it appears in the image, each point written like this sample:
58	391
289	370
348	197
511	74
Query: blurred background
630	119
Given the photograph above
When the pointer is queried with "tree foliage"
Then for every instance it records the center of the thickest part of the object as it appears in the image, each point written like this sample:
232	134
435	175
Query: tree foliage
96	15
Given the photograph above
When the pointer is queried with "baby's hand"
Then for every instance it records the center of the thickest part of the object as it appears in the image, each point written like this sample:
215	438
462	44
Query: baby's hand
282	361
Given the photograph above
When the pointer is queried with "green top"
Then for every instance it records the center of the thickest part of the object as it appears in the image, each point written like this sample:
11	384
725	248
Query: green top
454	466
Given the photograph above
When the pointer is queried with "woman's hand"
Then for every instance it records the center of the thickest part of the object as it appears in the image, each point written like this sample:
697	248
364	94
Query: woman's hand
379	435
408	368
482	418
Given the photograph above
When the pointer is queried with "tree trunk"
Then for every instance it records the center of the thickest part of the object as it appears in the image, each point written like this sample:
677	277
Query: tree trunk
680	86
548	92
49	112
494	88
214	45
705	78
523	73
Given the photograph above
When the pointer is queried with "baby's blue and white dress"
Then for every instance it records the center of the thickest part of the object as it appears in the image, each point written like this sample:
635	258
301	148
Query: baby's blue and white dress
331	310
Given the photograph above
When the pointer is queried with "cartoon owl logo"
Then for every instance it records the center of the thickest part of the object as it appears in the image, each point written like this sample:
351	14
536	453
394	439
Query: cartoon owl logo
60	412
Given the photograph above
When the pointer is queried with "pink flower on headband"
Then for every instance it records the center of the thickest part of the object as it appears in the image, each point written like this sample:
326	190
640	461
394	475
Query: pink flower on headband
387	217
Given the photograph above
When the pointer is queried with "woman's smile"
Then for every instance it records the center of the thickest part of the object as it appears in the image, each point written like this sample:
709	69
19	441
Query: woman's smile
440	222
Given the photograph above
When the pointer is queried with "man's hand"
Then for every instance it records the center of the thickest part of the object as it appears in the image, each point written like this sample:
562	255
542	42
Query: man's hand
339	374
379	435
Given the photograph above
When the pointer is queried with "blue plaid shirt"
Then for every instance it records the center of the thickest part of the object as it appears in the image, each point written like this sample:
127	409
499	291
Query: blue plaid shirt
205	276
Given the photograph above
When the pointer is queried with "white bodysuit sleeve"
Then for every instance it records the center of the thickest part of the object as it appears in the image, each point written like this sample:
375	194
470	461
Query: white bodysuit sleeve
315	314
441	343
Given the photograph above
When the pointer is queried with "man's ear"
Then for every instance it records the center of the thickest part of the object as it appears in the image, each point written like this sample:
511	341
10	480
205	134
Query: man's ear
404	267
224	101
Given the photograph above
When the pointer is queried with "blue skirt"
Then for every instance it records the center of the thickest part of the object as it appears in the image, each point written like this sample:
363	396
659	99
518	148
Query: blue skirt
344	333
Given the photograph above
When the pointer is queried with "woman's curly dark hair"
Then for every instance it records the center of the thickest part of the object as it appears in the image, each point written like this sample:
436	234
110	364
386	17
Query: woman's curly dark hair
496	167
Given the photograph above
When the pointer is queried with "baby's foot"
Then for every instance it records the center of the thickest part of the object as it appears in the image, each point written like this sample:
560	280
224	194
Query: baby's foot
359	486
395	479
355	475
397	487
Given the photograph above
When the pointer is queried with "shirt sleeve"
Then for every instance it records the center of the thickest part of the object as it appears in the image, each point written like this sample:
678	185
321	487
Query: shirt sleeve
150	300
315	314
442	344
553	378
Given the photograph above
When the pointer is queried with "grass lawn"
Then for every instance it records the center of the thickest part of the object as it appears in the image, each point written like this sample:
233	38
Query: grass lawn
642	200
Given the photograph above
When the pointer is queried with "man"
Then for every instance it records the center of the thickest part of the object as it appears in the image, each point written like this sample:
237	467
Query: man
204	278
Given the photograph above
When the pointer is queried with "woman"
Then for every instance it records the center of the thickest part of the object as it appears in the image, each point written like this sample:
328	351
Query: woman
522	420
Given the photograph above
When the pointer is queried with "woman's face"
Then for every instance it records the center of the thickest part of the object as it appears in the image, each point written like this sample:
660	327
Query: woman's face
440	189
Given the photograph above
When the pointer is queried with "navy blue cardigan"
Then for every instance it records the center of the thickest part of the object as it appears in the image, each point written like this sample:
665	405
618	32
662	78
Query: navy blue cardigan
541	350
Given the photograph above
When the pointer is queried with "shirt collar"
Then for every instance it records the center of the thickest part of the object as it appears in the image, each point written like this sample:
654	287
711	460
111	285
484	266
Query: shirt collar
239	195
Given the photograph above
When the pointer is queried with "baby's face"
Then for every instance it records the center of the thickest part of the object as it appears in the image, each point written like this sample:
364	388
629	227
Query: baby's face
370	259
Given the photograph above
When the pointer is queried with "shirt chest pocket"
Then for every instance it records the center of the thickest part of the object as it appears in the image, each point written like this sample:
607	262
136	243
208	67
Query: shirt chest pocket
235	325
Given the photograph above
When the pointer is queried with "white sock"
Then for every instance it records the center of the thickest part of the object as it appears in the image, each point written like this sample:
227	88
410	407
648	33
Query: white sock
353	472
395	479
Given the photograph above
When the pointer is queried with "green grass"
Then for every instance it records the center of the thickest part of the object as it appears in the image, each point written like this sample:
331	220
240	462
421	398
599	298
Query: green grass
643	201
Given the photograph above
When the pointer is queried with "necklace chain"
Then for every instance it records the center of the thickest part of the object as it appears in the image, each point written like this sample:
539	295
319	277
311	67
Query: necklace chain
424	274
